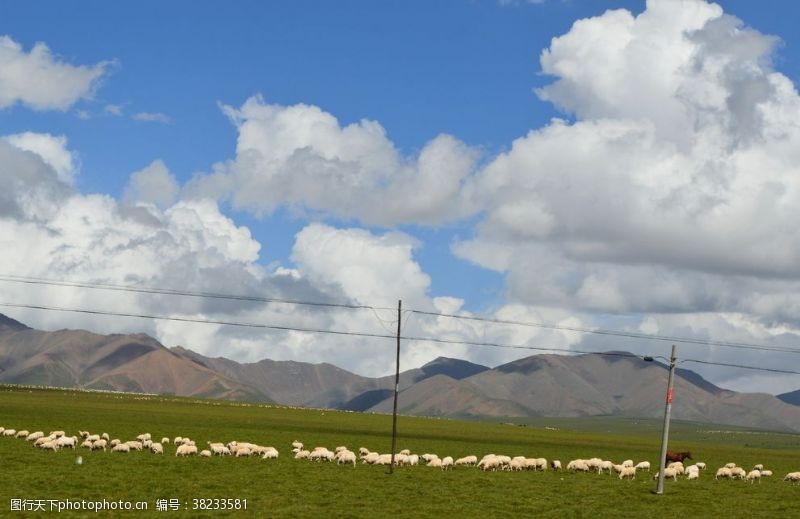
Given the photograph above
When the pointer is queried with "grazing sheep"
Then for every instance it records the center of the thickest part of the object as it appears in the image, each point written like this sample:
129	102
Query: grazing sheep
347	457
384	459
627	472
164	440
516	464
362	451
22	434
57	434
177	440
467	460
723	472
759	467
297	445
9	432
146	444
104	436
186	450
86	444
340	448
435	463
121	447
753	475
730	465
668	473
99	444
114	442
578	466
428	457
405	452
412	460
64	441
447	463
144	437
738	472
555	464
794	477
134	444
694	474
91	437
491	462
627	463
50	445
271	453
766	473
205	454
541	464
370	458
157	448
34	436
240	453
608	466
643	465
701	465
302	455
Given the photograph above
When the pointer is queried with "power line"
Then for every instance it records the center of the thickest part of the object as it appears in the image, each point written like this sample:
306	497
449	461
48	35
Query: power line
379	336
173	292
200	321
742	366
213	295
615	333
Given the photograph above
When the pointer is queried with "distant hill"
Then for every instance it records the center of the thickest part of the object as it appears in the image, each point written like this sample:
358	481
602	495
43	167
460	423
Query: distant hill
540	385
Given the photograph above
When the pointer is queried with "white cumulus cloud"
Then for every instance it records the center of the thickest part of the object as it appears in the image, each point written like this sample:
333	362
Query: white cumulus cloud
42	81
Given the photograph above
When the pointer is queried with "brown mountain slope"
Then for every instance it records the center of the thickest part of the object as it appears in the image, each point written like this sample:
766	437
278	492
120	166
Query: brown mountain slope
77	358
590	385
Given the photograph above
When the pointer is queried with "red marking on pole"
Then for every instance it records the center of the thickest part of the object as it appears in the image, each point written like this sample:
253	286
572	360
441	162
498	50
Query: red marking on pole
669	396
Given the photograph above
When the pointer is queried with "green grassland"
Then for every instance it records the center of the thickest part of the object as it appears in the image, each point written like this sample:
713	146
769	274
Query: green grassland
294	488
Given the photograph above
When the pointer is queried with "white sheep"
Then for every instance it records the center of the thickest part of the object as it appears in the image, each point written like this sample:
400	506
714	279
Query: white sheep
489	463
694	474
177	440
556	464
302	455
643	465
447	462
428	457
34	436
516	463
608	466
185	450
627	463
668	473
164	440
57	434
121	447
92	437
50	445
104	436
701	465
405	452
205	453
766	473
134	444
412	460
362	451
794	477
759	467
144	437
9	432
86	444
578	466
297	445
730	465
738	472
753	475
541	464
627	472
271	453
67	441
723	472
157	448
114	442
384	459
370	458
99	444
347	457
435	463
240	452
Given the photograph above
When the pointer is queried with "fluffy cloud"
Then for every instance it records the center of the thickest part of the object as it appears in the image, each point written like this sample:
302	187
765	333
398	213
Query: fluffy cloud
51	148
153	184
677	188
40	80
301	157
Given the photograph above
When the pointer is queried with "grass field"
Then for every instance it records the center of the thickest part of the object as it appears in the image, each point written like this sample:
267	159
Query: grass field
293	488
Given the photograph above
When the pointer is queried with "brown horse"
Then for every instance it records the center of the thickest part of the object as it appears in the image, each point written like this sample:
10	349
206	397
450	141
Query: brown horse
678	456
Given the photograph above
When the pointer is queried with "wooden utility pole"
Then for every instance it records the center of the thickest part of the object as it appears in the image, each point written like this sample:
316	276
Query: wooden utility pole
665	433
396	385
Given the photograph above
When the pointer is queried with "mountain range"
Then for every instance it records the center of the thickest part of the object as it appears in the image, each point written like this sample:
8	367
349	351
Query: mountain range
540	385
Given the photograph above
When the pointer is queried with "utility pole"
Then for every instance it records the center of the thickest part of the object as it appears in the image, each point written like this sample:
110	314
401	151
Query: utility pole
665	434
396	385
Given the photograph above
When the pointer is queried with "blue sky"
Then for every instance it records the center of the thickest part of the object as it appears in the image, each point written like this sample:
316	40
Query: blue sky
467	69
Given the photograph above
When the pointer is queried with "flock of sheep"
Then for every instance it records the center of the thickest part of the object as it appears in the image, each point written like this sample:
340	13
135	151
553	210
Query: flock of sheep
58	440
